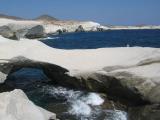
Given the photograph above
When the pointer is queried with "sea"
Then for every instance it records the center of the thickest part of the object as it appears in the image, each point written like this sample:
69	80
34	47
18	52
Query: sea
71	104
110	38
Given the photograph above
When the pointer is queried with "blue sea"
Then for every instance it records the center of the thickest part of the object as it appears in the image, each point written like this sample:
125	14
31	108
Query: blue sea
111	38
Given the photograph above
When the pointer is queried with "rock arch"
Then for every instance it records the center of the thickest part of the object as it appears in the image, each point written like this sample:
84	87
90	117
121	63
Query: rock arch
95	82
20	62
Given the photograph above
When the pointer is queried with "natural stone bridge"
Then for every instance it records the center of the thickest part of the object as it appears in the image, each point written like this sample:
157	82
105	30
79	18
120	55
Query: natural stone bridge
18	63
94	82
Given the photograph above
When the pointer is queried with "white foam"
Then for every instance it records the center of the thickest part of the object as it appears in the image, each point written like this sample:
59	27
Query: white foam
116	115
52	38
93	99
84	105
80	103
79	107
62	92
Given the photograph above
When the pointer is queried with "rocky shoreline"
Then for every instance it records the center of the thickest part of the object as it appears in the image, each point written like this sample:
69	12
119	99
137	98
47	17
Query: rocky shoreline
16	28
126	75
129	76
43	26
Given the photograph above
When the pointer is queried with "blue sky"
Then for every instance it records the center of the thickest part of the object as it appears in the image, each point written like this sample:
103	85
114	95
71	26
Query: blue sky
114	12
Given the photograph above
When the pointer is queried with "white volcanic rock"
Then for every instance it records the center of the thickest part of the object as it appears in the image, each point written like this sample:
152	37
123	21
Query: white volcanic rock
133	27
50	26
69	26
2	77
137	67
79	60
18	24
15	105
2	39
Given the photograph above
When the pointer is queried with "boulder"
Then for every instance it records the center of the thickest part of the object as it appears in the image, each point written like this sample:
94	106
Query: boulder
80	29
100	29
60	31
15	105
35	32
7	32
65	30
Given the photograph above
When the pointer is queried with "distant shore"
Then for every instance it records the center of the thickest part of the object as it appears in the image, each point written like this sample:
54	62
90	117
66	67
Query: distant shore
15	28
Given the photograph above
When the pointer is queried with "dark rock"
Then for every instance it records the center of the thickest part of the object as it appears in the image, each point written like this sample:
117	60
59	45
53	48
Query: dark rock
60	31
148	112
5	88
154	94
7	32
100	29
64	30
80	29
35	32
112	105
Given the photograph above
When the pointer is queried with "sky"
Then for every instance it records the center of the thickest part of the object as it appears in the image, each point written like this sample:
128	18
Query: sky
108	12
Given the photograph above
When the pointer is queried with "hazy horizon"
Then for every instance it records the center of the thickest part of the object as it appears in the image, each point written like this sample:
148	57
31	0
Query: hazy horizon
108	12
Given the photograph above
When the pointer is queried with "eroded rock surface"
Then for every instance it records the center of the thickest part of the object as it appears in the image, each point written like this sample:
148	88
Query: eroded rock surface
129	75
148	112
15	105
35	32
7	32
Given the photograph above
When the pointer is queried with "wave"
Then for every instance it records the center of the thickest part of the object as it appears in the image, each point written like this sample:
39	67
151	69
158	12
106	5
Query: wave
85	106
48	38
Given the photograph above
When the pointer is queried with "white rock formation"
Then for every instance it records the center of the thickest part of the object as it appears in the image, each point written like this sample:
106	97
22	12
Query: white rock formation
70	26
86	60
2	77
134	27
18	24
15	105
50	27
139	67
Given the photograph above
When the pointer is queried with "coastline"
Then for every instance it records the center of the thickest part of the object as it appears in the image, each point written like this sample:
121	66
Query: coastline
18	28
129	74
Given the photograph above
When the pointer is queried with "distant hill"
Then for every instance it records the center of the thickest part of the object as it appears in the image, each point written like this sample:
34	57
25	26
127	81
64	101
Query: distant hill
10	17
46	18
42	17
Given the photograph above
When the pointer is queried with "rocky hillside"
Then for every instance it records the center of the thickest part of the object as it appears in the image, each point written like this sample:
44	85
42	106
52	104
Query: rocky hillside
46	18
10	17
